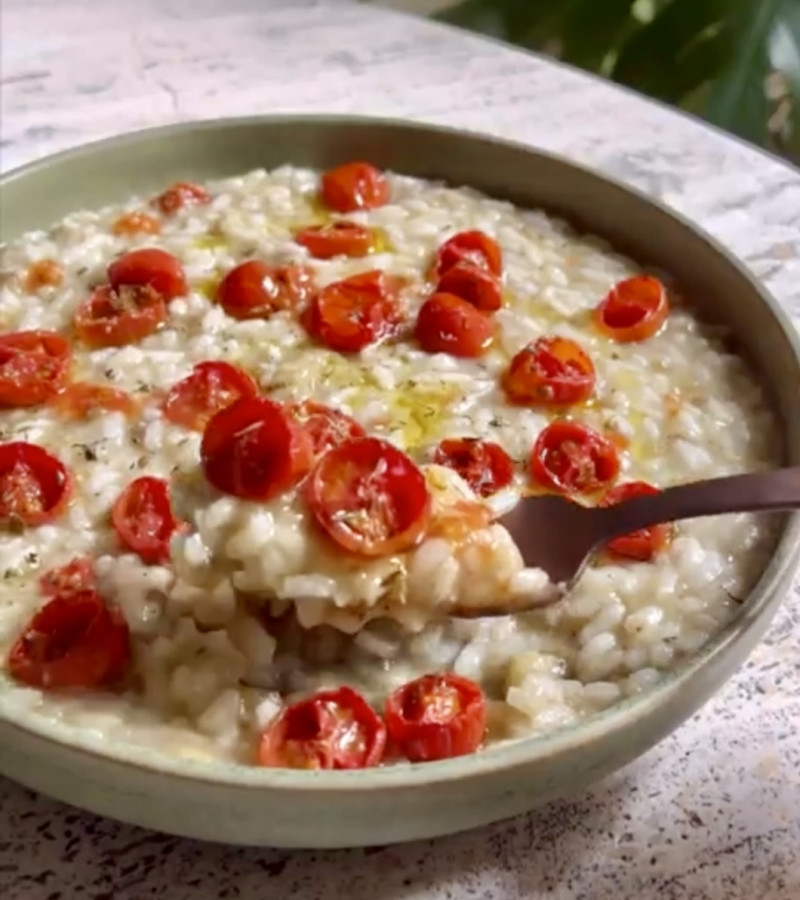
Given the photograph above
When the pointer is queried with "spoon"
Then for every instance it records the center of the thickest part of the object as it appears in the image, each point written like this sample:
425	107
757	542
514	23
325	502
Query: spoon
560	537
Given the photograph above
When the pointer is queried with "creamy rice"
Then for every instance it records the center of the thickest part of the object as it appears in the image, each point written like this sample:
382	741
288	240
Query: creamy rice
206	673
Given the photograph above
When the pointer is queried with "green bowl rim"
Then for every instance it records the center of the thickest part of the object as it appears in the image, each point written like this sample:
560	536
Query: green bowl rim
505	755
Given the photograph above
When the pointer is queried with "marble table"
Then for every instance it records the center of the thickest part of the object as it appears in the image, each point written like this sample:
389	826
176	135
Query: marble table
713	813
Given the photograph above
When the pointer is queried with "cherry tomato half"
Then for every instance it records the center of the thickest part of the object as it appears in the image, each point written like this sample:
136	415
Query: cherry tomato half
33	366
74	641
112	318
327	427
350	314
634	310
448	324
135	222
474	284
254	290
369	497
645	543
573	459
335	729
180	195
211	387
355	185
484	465
35	486
552	371
336	239
43	273
76	576
149	267
474	247
255	450
81	399
436	717
143	519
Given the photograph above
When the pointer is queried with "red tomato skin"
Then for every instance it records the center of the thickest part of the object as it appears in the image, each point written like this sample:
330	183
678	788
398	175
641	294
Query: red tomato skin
634	310
551	371
180	195
350	315
354	186
253	449
23	467
426	741
26	356
76	576
484	465
327	427
279	745
254	290
114	319
475	247
561	433
642	545
74	641
348	469
212	377
474	284
448	324
81	398
336	239
149	267
146	498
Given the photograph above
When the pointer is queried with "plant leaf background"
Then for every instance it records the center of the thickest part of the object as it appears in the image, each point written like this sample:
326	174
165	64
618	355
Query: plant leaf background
734	62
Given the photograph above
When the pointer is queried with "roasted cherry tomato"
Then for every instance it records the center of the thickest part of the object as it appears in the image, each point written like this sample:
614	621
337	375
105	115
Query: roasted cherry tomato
143	519
369	497
332	730
135	222
74	641
436	717
81	399
211	387
348	315
336	239
43	273
149	267
469	246
181	194
33	366
35	486
112	318
573	459
474	284
552	371
484	465
448	324
353	186
327	427
254	290
76	576
645	543
634	310
255	450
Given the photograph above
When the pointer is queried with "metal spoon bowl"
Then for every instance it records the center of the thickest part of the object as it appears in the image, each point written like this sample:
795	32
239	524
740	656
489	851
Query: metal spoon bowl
560	537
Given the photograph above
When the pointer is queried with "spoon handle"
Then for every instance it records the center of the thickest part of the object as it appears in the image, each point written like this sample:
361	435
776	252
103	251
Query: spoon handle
756	492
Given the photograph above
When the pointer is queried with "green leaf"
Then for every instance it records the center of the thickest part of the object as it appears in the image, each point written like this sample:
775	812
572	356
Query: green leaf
738	101
591	30
476	15
649	57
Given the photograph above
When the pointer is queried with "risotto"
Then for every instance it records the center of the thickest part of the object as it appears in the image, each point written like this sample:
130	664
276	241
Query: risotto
255	437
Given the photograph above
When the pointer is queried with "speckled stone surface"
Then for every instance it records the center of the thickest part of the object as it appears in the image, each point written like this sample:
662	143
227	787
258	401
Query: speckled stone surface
713	813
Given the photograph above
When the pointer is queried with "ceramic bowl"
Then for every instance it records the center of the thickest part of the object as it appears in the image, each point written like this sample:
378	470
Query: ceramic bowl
242	805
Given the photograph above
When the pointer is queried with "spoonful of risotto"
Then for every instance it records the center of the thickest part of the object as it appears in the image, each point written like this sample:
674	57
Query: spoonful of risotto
559	537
